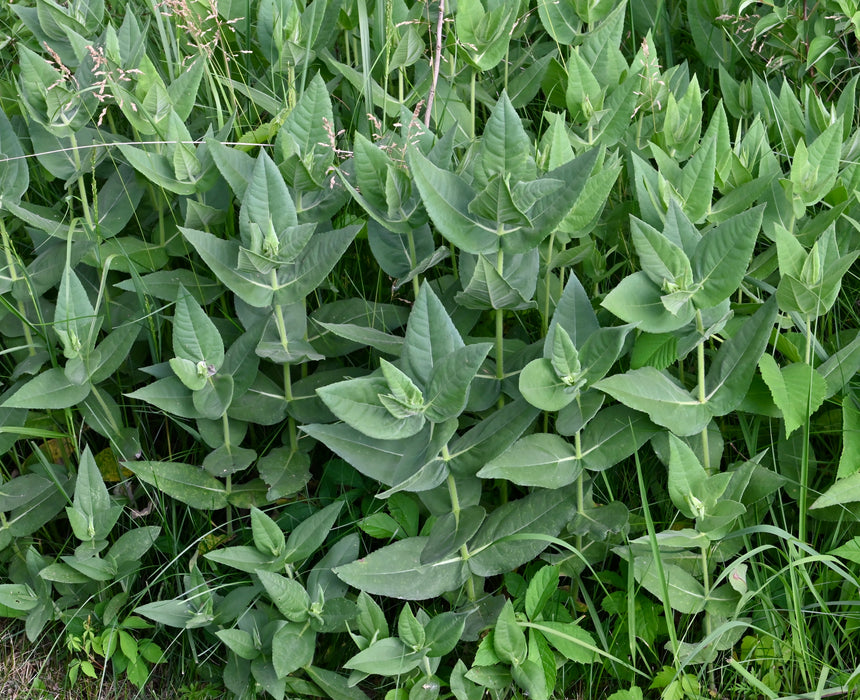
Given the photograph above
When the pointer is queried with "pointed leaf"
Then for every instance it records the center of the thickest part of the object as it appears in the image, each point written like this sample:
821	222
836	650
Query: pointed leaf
666	402
396	571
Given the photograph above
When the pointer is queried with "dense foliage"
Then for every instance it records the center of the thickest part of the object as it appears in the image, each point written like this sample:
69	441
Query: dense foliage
417	350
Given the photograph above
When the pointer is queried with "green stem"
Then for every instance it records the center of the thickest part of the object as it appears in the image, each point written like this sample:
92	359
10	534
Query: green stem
658	561
500	335
291	422
580	484
13	276
225	423
291	87
82	190
229	511
107	414
706	585
803	498
413	260
547	282
455	509
700	356
472	101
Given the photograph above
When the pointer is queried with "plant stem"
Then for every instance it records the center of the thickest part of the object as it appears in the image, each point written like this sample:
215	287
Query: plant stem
658	562
500	335
82	189
437	63
413	260
455	509
803	497
472	101
700	356
706	585
288	397
580	484
225	424
288	384
547	283
13	276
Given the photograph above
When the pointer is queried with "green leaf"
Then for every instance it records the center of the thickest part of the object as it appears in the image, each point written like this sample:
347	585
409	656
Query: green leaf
570	639
448	386
170	395
443	633
449	533
288	595
665	401
430	336
797	390
849	460
213	400
221	257
722	256
543	460
686	594
446	197
75	320
367	337
790	252
505	148
48	390
574	313
489	438
334	685
386	657
409	629
292	648
845	490
358	403
267	534
15	176
247	559
183	90
662	260
687	479
239	642
184	482
308	536
509	640
18	596
487	288
112	352
92	516
560	20
541	588
733	367
156	168
541	386
235	166
531	519
600	351
396	571
286	472
637	300
299	278
268	204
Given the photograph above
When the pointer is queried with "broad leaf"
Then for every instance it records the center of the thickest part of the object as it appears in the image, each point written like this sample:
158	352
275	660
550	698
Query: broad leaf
531	520
665	401
544	460
184	482
396	571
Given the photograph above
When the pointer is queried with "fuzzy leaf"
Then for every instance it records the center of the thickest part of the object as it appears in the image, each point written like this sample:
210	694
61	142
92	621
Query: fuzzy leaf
396	571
